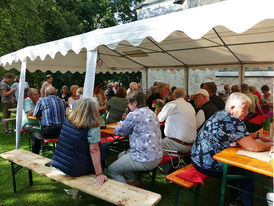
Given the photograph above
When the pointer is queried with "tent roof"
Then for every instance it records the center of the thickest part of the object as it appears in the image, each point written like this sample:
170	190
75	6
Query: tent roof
229	33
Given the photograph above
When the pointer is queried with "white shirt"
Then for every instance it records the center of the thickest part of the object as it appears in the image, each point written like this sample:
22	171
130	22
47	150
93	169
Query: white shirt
180	120
200	118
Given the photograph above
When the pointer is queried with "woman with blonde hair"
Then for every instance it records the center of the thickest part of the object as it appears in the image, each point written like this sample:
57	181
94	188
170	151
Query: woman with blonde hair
73	96
79	151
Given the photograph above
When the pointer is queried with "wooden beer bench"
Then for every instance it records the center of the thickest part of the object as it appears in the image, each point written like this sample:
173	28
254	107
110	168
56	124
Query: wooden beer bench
111	191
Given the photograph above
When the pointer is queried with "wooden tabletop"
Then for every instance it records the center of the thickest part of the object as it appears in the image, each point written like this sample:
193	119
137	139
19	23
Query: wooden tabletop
109	129
230	156
32	117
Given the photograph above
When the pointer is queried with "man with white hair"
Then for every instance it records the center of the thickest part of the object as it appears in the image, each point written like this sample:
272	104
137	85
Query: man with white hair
205	106
180	123
52	111
222	129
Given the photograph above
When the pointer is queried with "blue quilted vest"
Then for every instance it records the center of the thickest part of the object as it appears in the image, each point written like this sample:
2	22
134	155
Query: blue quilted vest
72	155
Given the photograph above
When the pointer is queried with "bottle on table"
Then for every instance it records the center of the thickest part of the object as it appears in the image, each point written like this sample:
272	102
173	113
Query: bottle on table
103	124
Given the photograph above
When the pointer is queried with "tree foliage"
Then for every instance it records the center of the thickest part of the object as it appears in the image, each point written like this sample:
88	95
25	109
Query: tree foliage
30	22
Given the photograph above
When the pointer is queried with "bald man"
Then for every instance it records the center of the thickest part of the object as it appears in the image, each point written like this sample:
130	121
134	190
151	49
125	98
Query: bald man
180	123
52	111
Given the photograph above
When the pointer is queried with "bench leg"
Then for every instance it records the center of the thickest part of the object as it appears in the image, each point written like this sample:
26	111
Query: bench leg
153	178
222	199
14	169
30	178
178	189
13	177
197	195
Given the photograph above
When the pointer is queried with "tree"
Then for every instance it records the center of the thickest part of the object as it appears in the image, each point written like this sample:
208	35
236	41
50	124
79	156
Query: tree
30	22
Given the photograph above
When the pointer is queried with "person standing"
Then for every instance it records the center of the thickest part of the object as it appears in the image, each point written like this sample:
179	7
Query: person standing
16	85
52	111
47	83
7	100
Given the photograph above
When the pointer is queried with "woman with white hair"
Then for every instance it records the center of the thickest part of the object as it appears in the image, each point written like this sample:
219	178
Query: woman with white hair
219	132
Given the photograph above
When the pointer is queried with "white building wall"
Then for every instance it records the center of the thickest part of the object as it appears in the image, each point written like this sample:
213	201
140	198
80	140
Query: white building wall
196	77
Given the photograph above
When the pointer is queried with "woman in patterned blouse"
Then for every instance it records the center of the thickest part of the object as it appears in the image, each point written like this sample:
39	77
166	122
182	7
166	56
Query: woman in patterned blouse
143	129
219	132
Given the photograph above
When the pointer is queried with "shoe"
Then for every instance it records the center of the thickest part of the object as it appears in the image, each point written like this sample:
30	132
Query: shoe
136	183
47	164
8	132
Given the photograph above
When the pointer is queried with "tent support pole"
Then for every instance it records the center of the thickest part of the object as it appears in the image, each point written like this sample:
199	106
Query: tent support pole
146	78
186	79
242	74
90	73
20	102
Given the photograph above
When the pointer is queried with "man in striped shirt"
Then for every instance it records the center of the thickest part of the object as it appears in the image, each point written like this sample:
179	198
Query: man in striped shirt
51	110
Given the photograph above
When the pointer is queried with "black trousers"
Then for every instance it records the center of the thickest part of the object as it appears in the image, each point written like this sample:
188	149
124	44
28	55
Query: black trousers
45	133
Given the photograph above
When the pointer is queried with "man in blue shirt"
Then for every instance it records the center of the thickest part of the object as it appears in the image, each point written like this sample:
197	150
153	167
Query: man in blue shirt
51	110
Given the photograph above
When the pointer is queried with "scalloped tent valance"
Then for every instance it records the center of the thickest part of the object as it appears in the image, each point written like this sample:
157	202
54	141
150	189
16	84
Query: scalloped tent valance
228	33
225	34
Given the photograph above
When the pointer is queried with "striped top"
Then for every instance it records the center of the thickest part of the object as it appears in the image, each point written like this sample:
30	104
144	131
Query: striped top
51	109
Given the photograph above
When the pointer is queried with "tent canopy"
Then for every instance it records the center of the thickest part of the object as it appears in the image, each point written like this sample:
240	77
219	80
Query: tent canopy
230	33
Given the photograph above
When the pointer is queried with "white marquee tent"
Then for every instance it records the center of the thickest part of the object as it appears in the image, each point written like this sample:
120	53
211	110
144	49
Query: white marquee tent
232	33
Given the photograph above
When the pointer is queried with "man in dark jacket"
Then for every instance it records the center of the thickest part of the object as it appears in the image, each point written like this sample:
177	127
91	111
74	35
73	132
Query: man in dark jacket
205	107
211	88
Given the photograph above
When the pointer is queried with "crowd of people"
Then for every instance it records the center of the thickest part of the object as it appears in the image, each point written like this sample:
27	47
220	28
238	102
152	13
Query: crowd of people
202	124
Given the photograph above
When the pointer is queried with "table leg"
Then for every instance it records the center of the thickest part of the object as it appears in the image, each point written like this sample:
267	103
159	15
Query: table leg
13	177
178	188
197	195
222	199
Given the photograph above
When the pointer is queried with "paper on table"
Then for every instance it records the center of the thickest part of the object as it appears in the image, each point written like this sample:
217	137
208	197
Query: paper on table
264	156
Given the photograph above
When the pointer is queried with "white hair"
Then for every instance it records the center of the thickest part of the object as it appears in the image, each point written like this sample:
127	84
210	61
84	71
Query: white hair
237	99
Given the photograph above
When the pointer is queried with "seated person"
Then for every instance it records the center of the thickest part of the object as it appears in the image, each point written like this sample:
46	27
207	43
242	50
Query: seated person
73	98
219	132
211	88
79	94
29	103
116	106
267	99
64	95
205	107
79	151
180	123
145	151
50	124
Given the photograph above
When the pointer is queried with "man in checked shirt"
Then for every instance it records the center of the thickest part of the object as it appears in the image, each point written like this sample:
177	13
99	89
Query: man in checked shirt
51	110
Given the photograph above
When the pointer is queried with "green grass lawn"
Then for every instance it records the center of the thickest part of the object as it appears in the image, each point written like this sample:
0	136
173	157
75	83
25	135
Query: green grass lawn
46	192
